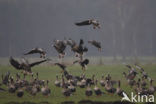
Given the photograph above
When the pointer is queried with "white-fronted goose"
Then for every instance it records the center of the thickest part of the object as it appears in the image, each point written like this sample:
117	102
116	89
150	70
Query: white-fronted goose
37	50
93	22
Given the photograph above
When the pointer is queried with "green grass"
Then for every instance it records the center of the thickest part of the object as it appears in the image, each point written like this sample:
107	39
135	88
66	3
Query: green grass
56	97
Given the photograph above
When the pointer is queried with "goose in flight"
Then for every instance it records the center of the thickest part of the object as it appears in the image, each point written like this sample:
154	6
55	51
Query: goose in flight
96	44
77	49
24	65
60	47
93	22
83	63
37	50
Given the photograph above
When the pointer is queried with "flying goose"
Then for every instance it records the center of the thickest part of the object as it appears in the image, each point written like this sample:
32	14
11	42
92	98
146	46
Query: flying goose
96	44
25	65
144	74
77	49
83	63
93	22
37	50
109	87
60	47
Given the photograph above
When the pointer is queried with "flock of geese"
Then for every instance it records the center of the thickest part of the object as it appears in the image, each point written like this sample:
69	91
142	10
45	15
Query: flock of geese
68	82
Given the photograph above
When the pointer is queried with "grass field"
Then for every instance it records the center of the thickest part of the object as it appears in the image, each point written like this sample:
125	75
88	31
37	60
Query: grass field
56	97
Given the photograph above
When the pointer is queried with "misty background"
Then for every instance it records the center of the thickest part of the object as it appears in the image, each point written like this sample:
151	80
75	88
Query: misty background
128	27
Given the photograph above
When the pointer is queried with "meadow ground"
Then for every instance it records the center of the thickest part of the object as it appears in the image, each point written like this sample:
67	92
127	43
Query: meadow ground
56	97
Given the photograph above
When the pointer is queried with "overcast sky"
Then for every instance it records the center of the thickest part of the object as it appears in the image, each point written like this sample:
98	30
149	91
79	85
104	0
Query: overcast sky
127	26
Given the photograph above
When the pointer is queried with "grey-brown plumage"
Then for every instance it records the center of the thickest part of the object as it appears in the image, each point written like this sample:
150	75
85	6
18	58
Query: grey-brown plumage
83	63
93	22
88	91
60	47
37	50
25	65
144	74
62	66
96	44
78	49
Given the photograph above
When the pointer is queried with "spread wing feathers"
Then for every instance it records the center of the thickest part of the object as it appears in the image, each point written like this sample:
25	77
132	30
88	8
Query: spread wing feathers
35	50
71	42
85	49
85	62
60	65
140	68
95	43
60	46
83	23
81	42
75	61
15	63
37	63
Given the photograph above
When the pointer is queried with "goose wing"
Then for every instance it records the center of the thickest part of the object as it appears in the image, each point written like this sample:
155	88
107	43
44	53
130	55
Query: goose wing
35	50
83	23
37	63
15	63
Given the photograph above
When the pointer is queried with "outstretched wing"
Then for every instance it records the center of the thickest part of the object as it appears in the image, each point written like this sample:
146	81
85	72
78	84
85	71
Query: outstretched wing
75	61
81	42
140	68
32	51
15	63
86	61
60	65
85	49
37	63
83	23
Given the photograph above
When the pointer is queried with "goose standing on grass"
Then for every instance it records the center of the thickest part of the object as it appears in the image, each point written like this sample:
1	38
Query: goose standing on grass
25	65
5	78
57	82
109	87
93	22
102	81
37	50
11	86
152	88
88	91
96	44
119	91
97	90
46	90
83	63
130	81
71	88
82	83
34	90
20	92
65	91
